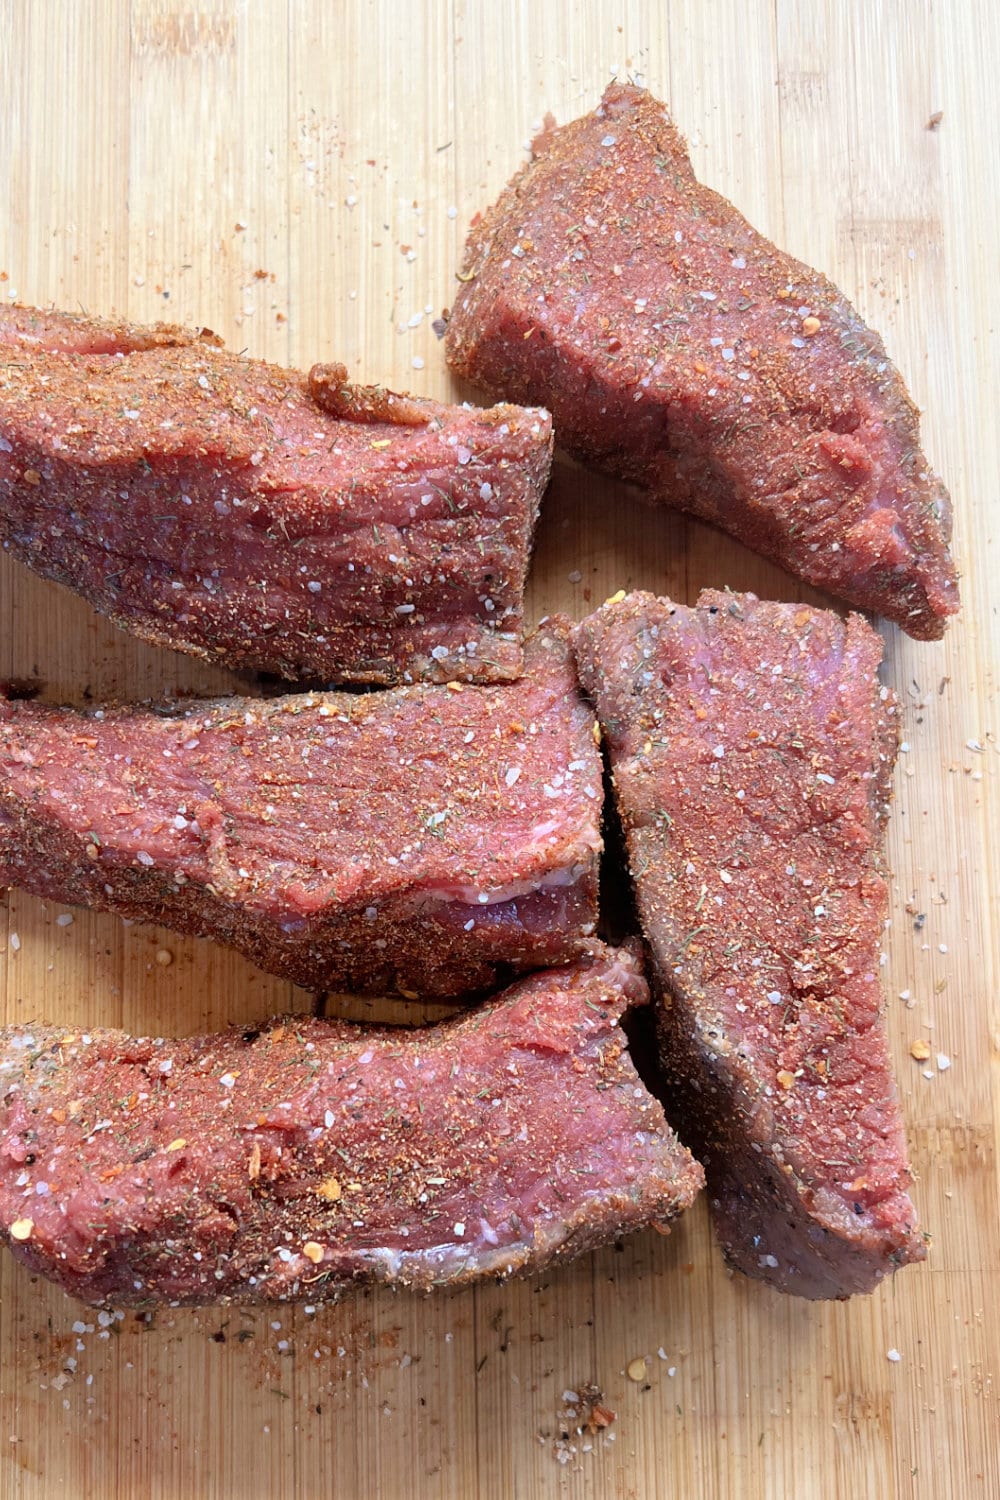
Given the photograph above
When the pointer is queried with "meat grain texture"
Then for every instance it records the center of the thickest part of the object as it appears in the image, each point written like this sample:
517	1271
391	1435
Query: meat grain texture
262	518
430	840
679	349
285	1163
752	748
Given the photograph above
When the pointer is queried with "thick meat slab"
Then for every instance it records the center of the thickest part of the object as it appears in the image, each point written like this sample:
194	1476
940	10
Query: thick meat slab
262	518
425	839
284	1163
677	348
752	748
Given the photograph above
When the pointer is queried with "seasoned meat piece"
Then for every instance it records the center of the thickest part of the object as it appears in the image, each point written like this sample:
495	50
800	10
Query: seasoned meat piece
262	518
677	348
751	748
285	1163
429	839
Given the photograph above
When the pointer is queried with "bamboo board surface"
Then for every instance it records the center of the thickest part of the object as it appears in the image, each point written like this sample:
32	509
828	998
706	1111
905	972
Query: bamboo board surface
298	176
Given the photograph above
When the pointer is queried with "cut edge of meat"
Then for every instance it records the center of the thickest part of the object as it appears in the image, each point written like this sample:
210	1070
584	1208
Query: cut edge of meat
771	1226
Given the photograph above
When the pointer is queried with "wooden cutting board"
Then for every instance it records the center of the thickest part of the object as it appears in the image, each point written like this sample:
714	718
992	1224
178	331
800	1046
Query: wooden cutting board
298	175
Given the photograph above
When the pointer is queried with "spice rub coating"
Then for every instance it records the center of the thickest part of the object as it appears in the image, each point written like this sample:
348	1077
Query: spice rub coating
751	748
262	518
428	839
287	1162
679	349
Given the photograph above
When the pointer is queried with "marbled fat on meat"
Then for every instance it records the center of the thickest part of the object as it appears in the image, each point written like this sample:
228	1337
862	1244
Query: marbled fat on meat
751	749
262	518
679	349
286	1163
429	839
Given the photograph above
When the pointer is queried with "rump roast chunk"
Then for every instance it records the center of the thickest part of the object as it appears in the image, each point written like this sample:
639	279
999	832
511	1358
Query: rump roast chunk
752	747
262	518
286	1162
677	348
424	839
